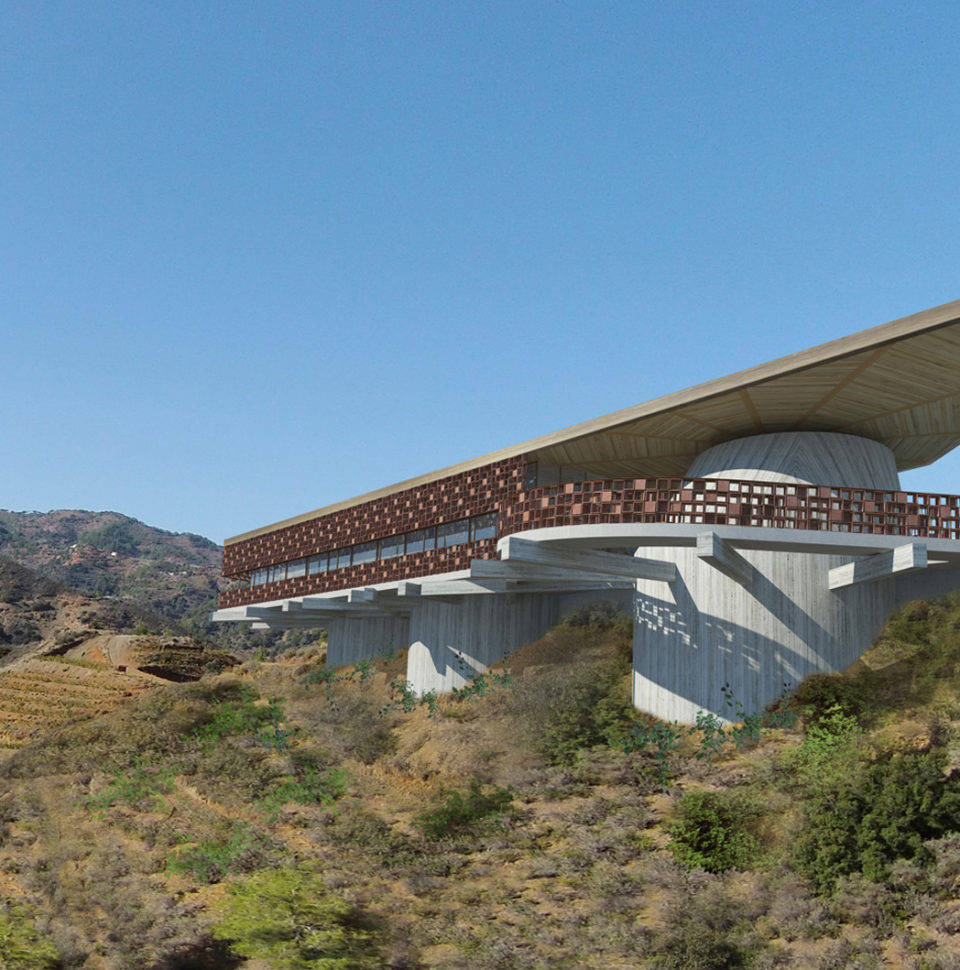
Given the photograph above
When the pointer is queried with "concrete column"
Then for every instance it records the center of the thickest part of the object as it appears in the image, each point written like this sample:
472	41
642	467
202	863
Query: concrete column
449	642
707	629
356	638
801	457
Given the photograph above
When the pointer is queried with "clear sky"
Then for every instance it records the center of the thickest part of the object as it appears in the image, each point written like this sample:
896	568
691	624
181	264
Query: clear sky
260	257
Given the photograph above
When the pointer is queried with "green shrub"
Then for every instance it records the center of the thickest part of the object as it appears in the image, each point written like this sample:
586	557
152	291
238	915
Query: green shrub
138	786
818	694
699	947
829	753
480	684
603	613
885	811
20	947
265	723
661	739
591	706
311	787
290	920
711	832
462	811
208	861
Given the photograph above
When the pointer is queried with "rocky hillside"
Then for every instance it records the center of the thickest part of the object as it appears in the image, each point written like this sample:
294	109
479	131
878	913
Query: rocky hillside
35	610
175	575
69	570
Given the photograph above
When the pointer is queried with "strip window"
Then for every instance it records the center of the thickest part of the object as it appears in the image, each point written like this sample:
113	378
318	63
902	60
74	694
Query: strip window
443	536
296	568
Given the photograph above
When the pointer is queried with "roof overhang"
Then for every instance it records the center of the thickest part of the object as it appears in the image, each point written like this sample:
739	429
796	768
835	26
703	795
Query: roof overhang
898	383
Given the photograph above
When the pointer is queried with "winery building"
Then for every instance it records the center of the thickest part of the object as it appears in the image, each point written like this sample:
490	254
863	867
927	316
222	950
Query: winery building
754	525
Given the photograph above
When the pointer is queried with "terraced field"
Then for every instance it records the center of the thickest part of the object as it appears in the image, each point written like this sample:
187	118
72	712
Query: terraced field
40	694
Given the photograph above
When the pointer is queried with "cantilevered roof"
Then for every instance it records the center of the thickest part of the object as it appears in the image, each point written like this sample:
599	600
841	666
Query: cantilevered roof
898	383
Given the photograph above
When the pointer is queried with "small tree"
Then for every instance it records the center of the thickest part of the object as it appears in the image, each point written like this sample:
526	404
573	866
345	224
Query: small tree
20	947
290	919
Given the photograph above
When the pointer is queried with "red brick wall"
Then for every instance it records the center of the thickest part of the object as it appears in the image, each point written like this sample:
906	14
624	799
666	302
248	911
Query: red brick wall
717	502
498	488
491	488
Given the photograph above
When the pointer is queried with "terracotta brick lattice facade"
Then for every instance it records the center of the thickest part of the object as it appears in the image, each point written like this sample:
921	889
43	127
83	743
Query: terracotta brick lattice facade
491	488
499	488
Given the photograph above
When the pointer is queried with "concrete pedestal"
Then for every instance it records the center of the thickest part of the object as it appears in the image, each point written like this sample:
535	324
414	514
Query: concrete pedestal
705	630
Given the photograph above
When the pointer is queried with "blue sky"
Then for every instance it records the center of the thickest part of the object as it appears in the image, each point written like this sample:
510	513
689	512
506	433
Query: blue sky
260	257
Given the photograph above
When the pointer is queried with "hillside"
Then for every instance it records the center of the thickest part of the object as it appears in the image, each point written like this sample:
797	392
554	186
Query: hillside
66	570
175	575
35	610
281	812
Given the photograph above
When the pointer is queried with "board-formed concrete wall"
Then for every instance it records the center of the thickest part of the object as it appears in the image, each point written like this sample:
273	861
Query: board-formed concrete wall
360	638
706	630
807	457
451	642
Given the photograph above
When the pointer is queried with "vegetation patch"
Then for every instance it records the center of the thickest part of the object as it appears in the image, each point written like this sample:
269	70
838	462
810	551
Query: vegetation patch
461	811
887	810
310	788
292	921
265	724
137	786
21	947
711	831
829	843
209	860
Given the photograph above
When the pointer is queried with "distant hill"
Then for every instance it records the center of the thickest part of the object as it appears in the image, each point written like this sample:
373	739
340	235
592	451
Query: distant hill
103	570
108	554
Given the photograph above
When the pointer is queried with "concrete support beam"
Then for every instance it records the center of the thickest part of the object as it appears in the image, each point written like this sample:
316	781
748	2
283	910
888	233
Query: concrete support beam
721	555
529	572
908	558
314	623
412	593
608	563
262	612
325	605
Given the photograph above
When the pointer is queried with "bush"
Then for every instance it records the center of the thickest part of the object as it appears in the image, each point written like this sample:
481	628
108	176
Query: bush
462	811
361	830
351	730
243	716
20	947
829	753
139	786
886	811
705	932
818	694
604	613
210	860
590	708
289	919
710	832
310	787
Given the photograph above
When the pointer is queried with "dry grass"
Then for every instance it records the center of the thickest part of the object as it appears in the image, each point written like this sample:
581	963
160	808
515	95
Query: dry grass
578	874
